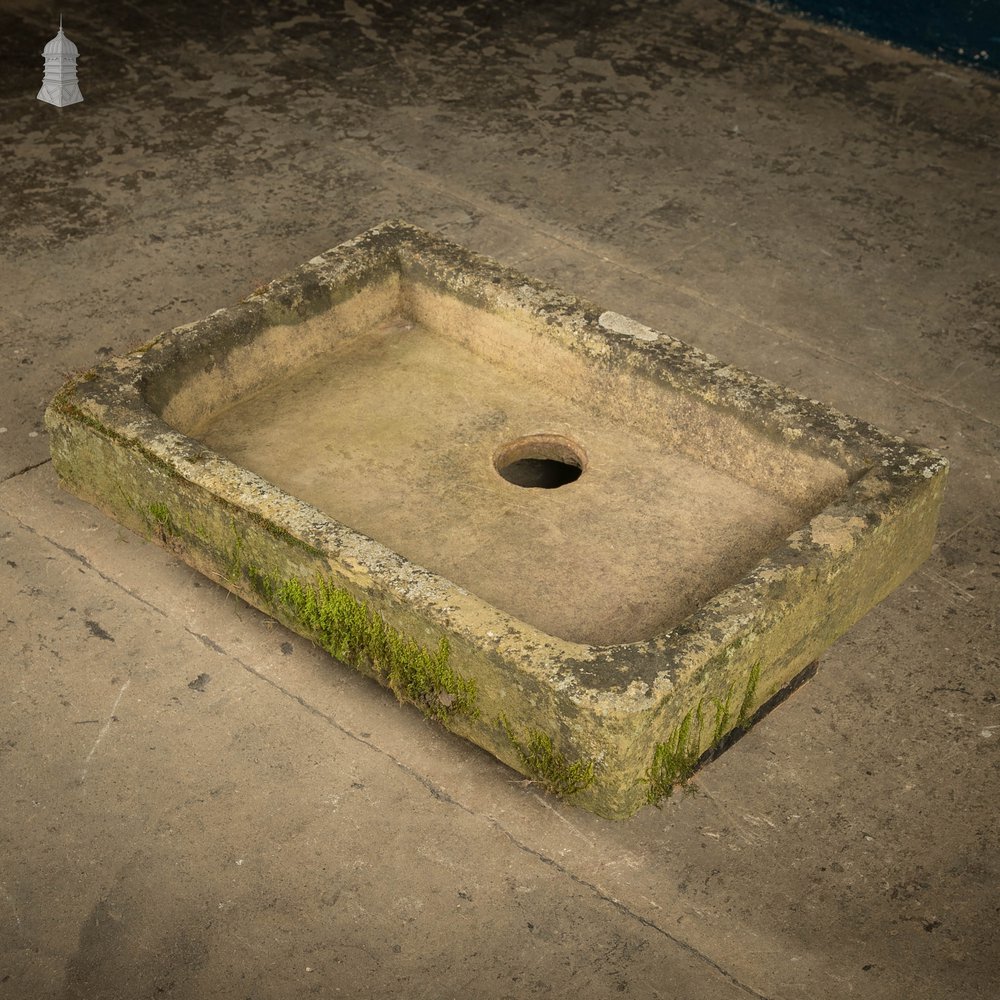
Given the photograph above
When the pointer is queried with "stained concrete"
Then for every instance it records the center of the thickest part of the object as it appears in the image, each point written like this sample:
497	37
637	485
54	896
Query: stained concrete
806	204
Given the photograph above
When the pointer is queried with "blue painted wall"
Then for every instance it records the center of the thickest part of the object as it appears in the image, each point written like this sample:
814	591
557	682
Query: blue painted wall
964	31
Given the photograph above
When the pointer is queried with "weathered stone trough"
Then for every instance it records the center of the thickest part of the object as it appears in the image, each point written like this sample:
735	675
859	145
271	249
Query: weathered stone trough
582	544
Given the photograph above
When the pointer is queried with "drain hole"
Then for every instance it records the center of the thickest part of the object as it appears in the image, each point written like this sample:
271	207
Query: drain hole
540	473
541	461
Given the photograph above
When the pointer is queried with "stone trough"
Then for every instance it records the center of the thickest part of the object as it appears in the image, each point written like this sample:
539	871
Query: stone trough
578	542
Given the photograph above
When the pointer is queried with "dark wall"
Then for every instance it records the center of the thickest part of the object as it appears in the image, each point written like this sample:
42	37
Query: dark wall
964	31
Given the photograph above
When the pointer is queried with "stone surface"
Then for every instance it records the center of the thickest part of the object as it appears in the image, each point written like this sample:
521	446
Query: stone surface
801	203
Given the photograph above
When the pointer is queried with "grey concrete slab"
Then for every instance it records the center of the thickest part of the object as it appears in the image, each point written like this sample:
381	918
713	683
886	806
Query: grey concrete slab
204	832
810	851
810	205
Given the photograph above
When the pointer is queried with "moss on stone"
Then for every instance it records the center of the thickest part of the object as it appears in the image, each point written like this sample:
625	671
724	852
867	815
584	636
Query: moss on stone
546	765
160	513
676	759
747	705
353	632
347	628
723	714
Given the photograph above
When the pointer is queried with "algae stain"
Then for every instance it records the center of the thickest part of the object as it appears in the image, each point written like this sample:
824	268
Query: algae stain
675	760
546	765
723	715
236	561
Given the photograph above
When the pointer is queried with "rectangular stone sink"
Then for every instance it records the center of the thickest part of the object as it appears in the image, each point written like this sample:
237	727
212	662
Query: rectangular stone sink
582	544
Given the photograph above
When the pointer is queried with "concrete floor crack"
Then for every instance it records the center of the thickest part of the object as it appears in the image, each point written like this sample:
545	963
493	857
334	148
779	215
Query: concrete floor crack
84	561
441	795
27	468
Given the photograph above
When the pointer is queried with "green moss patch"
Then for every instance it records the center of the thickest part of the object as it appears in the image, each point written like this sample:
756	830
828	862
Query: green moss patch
353	632
160	513
546	765
345	627
676	759
746	707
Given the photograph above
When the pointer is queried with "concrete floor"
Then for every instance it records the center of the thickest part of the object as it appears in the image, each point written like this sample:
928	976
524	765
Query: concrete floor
198	804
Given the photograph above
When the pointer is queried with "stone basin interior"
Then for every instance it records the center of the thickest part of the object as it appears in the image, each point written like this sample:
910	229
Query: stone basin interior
392	410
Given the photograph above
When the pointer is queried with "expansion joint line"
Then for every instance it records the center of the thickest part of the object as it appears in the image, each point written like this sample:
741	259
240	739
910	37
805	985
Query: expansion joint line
440	795
27	468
